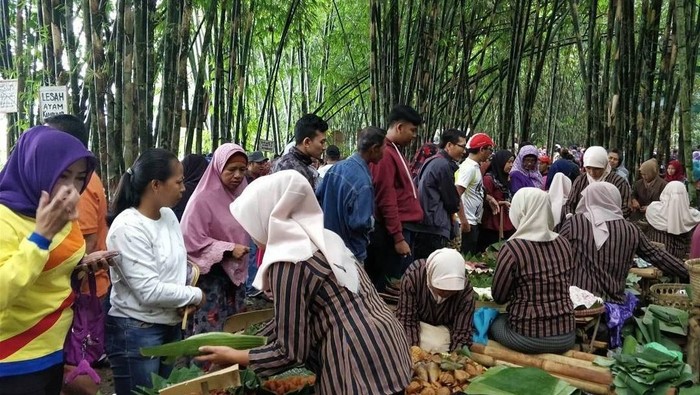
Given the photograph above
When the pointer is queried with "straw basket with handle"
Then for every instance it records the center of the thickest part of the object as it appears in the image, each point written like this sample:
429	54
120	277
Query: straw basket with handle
192	278
693	266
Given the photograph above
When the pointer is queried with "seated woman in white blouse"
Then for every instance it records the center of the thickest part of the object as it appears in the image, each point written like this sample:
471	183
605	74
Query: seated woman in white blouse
149	280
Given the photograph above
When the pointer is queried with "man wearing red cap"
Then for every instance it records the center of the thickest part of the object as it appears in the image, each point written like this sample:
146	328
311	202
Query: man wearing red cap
545	162
471	189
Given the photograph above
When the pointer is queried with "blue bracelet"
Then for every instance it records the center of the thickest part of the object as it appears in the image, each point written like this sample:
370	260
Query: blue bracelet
41	241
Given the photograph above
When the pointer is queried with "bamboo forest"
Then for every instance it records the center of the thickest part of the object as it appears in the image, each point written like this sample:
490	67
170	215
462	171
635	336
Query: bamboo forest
188	75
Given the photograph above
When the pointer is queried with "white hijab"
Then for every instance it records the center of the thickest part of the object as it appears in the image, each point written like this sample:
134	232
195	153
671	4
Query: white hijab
281	211
445	271
531	214
673	213
600	202
596	156
559	195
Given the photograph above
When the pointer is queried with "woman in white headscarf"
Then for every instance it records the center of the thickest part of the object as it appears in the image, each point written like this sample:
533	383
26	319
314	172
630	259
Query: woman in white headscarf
532	276
672	220
559	193
328	315
603	244
595	160
436	293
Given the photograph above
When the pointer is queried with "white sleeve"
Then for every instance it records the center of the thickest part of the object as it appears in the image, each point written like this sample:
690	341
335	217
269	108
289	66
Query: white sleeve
465	176
137	267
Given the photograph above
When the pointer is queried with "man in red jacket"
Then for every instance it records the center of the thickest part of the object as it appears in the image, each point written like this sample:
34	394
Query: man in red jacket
397	208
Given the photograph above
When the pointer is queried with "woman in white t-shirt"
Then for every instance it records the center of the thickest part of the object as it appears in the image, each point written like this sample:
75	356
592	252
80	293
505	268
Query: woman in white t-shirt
149	288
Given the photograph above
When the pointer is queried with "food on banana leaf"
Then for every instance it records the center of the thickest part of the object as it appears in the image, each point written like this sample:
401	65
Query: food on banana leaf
441	373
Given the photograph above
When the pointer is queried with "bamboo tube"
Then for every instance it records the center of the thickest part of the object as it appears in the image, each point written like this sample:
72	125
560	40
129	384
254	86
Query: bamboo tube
548	366
580	355
593	388
571	361
483	359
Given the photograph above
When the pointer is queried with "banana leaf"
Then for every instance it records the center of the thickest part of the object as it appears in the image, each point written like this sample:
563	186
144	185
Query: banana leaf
670	319
502	380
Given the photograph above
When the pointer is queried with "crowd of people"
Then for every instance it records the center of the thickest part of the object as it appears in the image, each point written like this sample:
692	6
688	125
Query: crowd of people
327	240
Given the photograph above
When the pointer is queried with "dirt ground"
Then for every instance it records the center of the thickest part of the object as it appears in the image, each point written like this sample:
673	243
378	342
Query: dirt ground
107	384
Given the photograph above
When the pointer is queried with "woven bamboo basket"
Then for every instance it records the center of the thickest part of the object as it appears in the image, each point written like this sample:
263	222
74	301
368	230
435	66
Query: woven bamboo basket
589	312
669	295
693	266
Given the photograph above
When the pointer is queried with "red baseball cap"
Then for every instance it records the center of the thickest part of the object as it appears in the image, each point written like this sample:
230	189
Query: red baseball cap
545	159
480	140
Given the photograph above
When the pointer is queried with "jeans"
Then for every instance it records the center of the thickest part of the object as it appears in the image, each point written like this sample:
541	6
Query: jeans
252	269
125	336
44	382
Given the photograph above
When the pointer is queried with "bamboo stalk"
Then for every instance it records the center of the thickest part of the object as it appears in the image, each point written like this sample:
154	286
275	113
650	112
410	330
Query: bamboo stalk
580	355
572	362
548	366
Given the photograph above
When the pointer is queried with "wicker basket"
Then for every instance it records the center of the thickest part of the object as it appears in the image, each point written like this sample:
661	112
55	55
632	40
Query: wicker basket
693	266
589	312
668	295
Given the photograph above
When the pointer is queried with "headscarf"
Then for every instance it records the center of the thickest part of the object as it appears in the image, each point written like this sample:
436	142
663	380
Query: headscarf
194	166
600	202
680	171
424	153
559	195
41	155
281	211
497	171
651	166
207	226
673	214
597	157
531	215
445	271
533	175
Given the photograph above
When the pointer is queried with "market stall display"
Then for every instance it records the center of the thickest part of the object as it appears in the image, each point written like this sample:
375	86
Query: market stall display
442	374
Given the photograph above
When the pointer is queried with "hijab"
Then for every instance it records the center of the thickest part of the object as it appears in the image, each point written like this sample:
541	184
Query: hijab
498	172
41	155
651	167
281	211
533	175
207	226
673	214
424	153
600	202
597	157
445	271
680	172
531	215
194	166
559	195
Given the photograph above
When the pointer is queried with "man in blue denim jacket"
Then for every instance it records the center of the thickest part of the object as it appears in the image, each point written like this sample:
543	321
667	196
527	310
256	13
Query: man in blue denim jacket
346	194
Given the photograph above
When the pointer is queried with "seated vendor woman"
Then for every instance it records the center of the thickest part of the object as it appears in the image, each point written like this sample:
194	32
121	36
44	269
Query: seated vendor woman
604	244
532	276
436	293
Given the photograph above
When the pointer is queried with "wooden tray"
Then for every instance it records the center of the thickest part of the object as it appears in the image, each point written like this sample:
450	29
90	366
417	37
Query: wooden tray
239	322
221	379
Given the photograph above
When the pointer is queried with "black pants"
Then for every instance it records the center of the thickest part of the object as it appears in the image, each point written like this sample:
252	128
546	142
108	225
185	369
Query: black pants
470	241
427	243
44	382
382	262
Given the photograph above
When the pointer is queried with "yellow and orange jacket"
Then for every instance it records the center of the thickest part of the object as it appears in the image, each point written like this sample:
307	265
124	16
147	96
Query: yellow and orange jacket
35	293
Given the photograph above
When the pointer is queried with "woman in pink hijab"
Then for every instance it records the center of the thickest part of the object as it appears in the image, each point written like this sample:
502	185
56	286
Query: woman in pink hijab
215	241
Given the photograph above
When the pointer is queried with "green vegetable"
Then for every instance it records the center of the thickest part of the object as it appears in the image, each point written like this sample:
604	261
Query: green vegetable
177	376
191	345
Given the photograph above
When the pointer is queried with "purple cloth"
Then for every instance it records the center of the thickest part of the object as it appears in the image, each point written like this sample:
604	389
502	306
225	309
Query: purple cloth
518	169
41	155
519	180
618	314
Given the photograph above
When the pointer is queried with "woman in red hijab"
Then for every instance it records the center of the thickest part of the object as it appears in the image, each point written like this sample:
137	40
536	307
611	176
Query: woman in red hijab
675	172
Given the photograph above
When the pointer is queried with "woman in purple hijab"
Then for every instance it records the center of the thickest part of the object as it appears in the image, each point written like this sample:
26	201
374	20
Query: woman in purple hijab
525	172
215	241
40	247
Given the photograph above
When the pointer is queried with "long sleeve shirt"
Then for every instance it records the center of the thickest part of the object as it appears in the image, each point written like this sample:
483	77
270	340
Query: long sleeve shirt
396	197
518	180
148	280
438	195
346	196
603	272
582	182
35	293
351	341
533	278
417	304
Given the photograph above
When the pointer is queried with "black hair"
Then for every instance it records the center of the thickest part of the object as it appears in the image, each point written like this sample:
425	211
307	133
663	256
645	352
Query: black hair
404	113
152	164
618	152
566	154
70	124
369	137
308	126
524	143
451	136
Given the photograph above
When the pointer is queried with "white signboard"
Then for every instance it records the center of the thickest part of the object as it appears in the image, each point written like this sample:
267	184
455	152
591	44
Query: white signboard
53	101
267	145
8	96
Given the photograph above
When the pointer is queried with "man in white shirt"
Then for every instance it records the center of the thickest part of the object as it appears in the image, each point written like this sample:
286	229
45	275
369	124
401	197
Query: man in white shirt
332	157
471	190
